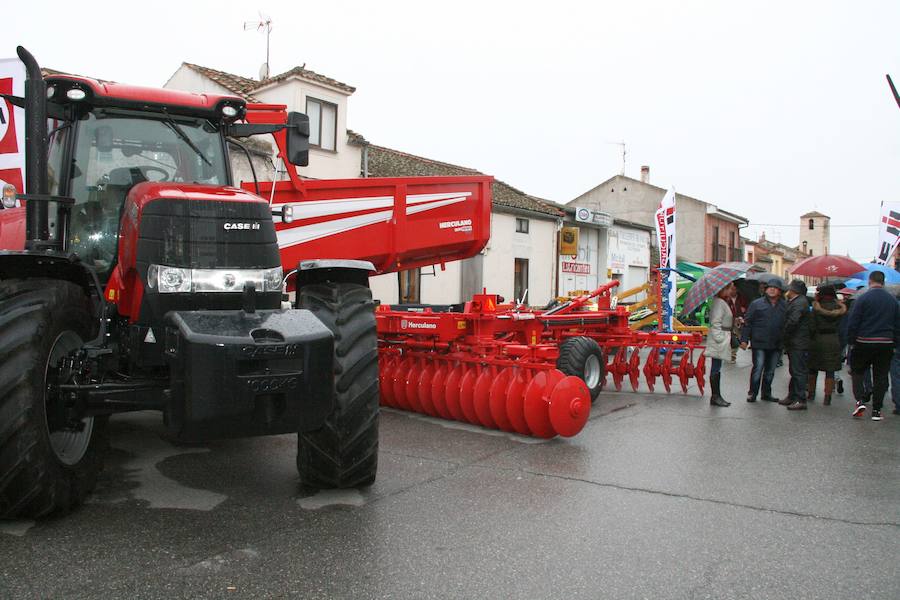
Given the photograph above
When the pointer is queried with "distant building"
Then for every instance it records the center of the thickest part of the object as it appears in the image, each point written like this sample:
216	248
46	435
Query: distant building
706	233
772	257
815	234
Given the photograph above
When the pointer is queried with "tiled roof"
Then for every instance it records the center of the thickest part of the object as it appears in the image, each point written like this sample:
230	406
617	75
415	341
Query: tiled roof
813	214
245	86
386	162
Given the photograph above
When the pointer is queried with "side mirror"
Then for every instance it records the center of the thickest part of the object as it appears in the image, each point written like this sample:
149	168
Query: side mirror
298	139
103	137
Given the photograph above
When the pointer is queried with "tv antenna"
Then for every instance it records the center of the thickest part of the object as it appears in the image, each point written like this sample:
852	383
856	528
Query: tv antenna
264	24
624	153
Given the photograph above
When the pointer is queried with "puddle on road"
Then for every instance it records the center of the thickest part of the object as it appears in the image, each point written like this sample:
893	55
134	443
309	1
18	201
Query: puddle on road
325	498
147	450
522	439
16	528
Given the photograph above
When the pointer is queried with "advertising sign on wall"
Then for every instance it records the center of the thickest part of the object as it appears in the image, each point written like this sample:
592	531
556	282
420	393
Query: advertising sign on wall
576	267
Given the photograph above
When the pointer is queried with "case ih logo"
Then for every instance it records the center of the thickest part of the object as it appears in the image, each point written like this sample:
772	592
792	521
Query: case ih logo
460	225
248	226
404	324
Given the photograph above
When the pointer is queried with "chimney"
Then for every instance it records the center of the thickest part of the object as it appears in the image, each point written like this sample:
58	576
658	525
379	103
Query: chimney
645	174
762	236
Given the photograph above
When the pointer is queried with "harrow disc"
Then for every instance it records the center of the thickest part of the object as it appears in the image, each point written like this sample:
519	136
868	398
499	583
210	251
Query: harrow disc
634	369
386	381
482	398
619	367
424	388
666	372
467	395
452	392
515	402
700	371
683	368
570	406
399	384
412	386
439	390
651	368
497	400
537	402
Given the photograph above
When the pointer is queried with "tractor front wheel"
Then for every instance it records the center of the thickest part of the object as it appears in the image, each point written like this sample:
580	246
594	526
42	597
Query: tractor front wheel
343	453
49	458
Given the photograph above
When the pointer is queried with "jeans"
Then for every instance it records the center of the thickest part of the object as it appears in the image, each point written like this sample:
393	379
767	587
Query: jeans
895	380
799	369
764	361
715	366
878	357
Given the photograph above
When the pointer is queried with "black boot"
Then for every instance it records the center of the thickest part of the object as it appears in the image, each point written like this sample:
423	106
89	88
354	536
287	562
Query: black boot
716	399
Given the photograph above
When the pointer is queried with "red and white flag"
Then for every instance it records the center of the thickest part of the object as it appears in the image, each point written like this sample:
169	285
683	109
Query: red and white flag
665	235
12	124
889	230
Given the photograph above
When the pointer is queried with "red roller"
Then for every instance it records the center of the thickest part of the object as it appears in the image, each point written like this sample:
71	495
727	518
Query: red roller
482	397
515	401
467	395
499	388
439	390
452	392
424	388
537	399
634	369
412	385
570	406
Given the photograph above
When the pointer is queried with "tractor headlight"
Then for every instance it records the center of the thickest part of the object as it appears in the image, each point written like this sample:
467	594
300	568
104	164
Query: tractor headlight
173	279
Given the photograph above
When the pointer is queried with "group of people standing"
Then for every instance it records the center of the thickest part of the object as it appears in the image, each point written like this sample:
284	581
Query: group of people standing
815	338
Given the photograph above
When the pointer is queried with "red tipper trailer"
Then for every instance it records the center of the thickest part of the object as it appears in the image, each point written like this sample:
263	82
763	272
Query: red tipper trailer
395	223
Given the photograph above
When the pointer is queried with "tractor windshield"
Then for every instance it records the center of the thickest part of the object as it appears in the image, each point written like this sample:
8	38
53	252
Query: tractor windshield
114	152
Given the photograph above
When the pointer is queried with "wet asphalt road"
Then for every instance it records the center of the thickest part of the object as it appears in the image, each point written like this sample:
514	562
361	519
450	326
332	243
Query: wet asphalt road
659	497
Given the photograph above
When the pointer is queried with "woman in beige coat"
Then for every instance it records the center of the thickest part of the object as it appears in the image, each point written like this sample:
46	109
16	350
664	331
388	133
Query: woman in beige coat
718	341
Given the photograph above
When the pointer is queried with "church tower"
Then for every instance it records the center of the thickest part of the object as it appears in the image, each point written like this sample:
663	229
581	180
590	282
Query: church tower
815	234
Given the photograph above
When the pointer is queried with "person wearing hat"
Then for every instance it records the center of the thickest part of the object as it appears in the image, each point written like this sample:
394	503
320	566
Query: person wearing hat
825	348
796	343
761	330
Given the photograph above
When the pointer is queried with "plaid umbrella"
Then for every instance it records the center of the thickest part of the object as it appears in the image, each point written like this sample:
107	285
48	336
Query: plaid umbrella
709	285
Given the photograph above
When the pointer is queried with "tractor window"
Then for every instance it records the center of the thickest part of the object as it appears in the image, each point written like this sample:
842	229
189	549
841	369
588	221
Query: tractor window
116	152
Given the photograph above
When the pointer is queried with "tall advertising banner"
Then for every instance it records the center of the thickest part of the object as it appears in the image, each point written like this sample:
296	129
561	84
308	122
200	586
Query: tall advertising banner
889	232
12	120
665	235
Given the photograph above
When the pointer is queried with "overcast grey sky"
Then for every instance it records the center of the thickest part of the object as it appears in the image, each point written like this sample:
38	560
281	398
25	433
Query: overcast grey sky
768	108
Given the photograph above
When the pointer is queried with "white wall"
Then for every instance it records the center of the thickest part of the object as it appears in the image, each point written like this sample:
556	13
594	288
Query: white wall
188	80
506	245
590	240
629	256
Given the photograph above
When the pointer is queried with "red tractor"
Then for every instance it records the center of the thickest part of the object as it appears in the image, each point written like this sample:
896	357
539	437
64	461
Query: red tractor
148	281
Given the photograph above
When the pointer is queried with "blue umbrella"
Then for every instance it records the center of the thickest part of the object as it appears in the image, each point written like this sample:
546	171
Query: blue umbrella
890	275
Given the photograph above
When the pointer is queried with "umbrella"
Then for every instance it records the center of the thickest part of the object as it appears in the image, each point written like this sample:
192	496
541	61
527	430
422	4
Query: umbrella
890	275
827	265
759	276
710	284
855	284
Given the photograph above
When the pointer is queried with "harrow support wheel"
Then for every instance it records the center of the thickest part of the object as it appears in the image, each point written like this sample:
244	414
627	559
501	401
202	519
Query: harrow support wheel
497	400
581	356
452	391
515	401
467	395
439	391
570	406
537	402
482	398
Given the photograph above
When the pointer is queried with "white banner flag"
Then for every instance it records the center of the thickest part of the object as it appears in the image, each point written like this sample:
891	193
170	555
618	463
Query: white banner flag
665	234
12	124
889	230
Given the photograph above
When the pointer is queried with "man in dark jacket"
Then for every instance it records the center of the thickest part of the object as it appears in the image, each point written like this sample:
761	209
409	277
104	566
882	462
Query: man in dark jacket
873	330
763	323
796	343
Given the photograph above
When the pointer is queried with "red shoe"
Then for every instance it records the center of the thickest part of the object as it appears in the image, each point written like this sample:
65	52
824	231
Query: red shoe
859	410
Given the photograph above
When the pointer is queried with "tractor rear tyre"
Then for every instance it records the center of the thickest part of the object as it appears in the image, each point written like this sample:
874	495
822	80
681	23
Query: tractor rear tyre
581	356
343	453
49	461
